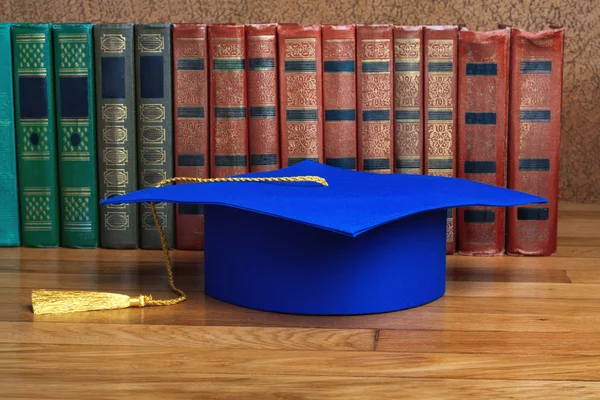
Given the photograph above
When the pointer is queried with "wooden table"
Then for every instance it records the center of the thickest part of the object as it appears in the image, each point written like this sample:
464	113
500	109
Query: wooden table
514	327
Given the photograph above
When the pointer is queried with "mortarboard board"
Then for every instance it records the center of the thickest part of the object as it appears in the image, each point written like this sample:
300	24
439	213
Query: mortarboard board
364	243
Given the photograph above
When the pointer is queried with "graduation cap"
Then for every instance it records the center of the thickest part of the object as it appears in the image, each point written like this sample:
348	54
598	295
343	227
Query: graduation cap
315	239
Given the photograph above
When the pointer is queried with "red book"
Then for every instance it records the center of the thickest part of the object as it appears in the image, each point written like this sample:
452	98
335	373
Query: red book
263	115
408	99
339	95
534	138
439	154
375	98
482	134
228	123
301	93
190	95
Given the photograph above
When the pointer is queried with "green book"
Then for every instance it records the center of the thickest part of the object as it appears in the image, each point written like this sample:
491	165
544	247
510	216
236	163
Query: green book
9	195
76	130
36	134
117	152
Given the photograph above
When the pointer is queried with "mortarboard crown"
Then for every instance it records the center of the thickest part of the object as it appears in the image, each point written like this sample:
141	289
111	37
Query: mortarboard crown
361	243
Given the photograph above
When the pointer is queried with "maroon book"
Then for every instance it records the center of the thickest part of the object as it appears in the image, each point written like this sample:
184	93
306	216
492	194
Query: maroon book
263	113
408	99
534	138
300	93
339	95
190	96
439	155
228	100
375	104
482	134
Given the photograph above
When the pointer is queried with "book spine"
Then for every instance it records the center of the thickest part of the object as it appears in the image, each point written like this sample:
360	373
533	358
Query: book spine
339	95
228	102
9	191
190	94
301	93
375	98
440	111
116	134
76	130
408	99
263	107
534	138
482	134
154	126
36	134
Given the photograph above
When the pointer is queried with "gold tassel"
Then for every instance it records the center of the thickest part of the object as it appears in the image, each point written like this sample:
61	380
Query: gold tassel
58	301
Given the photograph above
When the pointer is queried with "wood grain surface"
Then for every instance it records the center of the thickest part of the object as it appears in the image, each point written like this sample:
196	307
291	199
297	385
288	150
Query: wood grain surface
581	106
508	327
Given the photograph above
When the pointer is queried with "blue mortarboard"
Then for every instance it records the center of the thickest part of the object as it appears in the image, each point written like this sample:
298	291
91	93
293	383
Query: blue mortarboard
366	243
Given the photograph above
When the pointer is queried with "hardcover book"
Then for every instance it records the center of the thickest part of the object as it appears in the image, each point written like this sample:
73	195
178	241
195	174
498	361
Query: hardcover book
9	191
339	95
375	104
300	93
534	138
263	88
116	133
439	145
408	99
36	134
190	94
76	127
228	122
154	126
482	134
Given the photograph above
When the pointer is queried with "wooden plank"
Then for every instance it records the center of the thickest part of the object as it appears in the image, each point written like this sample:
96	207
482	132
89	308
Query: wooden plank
584	276
523	290
150	359
447	313
517	343
90	281
490	273
209	337
164	384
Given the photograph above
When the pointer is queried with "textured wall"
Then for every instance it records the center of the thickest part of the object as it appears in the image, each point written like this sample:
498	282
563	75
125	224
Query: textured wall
580	150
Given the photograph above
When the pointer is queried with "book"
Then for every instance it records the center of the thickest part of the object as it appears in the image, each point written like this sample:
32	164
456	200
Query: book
154	126
439	144
33	73
534	138
190	96
408	99
300	93
9	191
482	134
76	131
228	101
263	88
375	104
339	95
116	133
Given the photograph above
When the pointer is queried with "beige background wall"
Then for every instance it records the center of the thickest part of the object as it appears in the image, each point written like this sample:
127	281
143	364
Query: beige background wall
580	149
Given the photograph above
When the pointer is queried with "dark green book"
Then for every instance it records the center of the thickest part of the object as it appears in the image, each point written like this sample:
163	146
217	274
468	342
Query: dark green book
154	125
117	154
76	130
9	192
36	134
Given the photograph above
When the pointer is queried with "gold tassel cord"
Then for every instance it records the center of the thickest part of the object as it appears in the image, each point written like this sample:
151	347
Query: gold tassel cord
59	302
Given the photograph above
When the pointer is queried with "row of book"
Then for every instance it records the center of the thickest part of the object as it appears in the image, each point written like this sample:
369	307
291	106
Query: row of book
99	111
